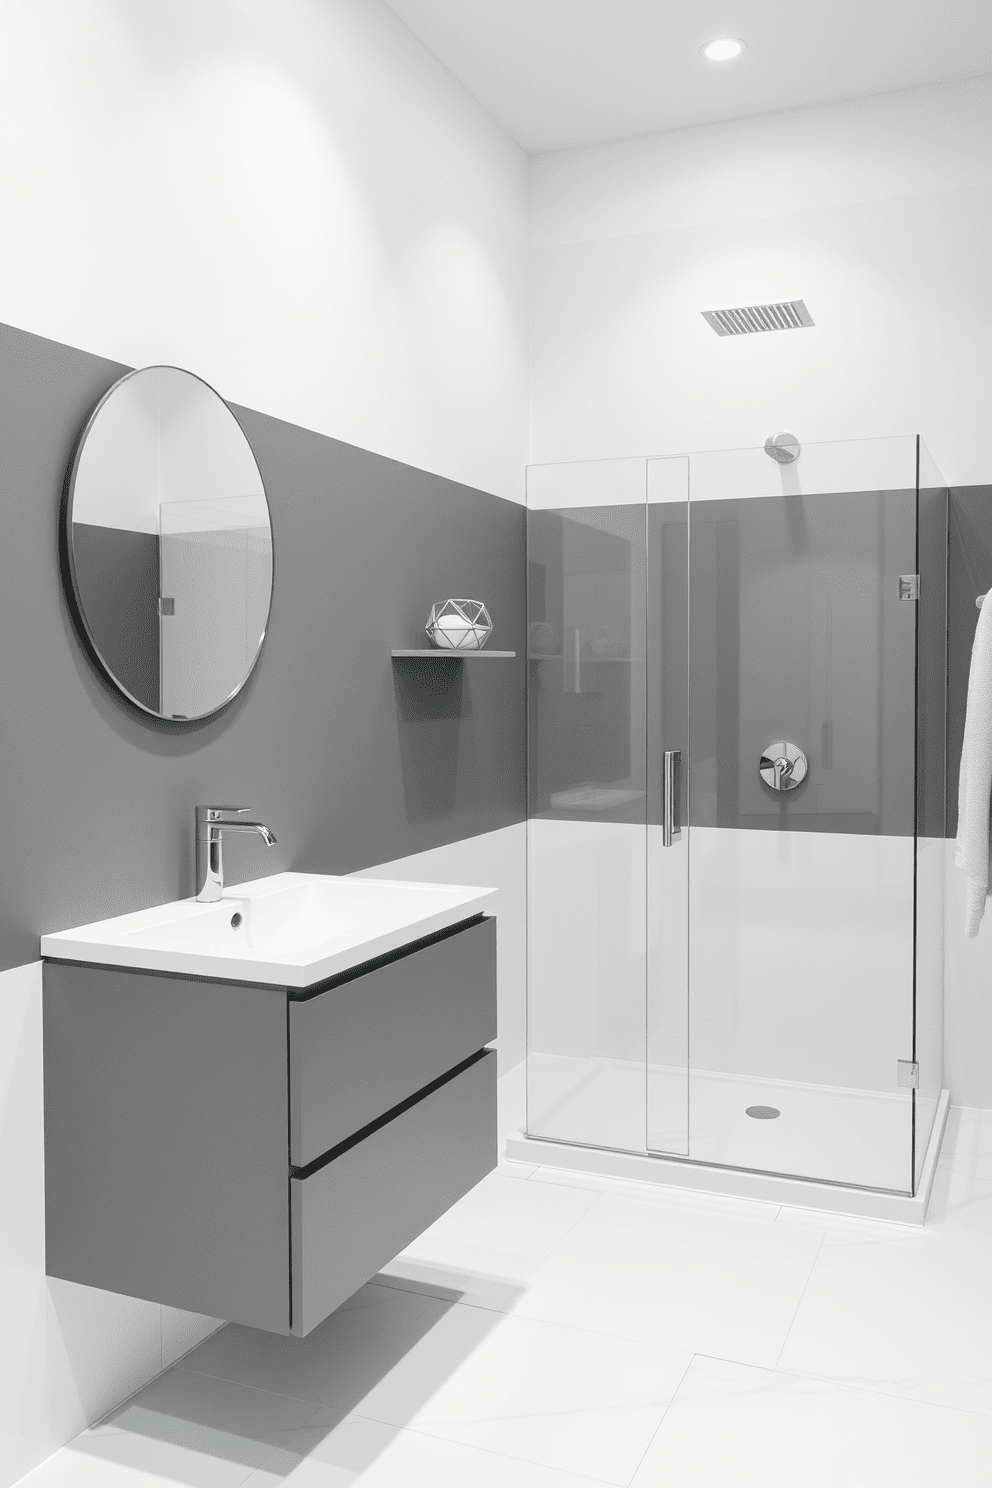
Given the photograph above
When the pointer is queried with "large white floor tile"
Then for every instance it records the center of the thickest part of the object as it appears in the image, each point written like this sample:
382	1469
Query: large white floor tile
907	1319
341	1360
733	1425
533	1390
484	1248
372	1455
541	1392
677	1276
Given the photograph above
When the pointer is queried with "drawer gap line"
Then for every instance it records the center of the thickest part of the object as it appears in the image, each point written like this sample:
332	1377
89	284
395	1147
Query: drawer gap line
310	1168
304	994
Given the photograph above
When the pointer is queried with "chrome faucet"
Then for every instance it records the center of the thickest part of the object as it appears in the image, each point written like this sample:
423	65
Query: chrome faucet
211	821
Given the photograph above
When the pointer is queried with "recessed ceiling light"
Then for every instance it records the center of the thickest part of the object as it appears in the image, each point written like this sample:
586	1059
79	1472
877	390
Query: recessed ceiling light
724	50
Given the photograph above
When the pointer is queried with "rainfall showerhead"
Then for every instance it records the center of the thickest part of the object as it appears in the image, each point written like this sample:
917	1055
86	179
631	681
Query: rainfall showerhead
781	315
783	447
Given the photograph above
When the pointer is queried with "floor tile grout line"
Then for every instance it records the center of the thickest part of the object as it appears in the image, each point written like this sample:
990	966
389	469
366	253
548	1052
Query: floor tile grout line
489	1451
558	1323
228	1379
538	1321
844	1384
421	1291
795	1313
664	1416
875	1390
559	1242
592	1332
261	1467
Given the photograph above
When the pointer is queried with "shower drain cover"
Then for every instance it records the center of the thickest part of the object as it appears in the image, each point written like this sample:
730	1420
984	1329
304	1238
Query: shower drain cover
762	1113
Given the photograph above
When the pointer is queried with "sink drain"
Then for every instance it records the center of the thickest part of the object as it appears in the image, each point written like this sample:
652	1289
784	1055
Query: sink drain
762	1113
236	921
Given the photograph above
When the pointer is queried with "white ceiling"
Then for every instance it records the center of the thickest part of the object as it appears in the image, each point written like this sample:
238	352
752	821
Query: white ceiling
557	73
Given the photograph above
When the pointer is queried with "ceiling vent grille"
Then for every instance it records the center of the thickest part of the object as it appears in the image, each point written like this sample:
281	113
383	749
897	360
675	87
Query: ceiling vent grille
786	315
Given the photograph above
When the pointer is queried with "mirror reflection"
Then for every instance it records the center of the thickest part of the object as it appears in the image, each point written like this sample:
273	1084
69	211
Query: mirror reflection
169	543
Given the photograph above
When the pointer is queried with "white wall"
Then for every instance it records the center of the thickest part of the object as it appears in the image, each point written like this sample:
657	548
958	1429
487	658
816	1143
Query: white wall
293	200
879	213
296	202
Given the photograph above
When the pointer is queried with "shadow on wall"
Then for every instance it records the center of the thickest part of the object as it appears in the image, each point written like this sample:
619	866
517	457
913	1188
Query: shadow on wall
432	701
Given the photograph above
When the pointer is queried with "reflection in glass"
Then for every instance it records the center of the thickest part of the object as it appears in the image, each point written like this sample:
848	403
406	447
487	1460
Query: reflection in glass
216	567
169	543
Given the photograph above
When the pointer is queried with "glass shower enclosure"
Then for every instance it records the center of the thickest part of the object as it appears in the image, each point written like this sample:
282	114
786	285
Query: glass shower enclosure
736	698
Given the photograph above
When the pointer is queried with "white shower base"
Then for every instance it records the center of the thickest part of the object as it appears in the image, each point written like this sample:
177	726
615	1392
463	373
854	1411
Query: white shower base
589	1114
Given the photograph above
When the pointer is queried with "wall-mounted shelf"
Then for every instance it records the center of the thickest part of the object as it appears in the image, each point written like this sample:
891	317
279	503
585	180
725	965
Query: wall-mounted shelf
434	653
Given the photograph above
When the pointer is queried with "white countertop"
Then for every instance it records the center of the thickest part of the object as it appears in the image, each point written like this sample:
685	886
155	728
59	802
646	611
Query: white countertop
295	928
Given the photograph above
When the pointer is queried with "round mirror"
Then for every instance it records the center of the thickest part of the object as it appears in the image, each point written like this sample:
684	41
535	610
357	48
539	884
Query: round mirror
169	543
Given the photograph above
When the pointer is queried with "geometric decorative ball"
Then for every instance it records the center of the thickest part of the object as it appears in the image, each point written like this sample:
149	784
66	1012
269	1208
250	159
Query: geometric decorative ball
459	625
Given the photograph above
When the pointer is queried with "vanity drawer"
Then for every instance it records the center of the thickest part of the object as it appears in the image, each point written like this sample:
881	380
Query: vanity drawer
370	1042
358	1211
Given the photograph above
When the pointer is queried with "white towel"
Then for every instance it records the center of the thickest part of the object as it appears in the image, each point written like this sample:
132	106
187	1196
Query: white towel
975	784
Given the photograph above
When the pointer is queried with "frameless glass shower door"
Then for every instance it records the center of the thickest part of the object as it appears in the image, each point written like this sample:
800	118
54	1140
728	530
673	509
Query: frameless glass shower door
736	750
588	788
801	942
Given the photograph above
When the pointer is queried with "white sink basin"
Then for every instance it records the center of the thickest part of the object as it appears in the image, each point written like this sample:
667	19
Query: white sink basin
295	928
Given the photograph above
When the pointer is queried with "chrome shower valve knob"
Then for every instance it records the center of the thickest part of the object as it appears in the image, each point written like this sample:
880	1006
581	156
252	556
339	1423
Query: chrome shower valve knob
783	766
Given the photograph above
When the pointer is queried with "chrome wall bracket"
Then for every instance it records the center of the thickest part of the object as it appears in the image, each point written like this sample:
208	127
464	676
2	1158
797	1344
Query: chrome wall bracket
909	586
907	1074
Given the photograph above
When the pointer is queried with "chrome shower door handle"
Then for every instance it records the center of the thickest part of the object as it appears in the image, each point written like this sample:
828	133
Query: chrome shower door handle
671	830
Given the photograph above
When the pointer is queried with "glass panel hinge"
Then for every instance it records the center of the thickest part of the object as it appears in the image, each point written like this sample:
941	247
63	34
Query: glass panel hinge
907	1074
909	586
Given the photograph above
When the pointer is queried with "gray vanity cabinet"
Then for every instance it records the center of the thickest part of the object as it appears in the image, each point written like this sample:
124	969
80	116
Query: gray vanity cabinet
363	1044
257	1153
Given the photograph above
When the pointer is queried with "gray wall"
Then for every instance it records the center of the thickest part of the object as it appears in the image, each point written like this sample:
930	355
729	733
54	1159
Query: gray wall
797	633
350	759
